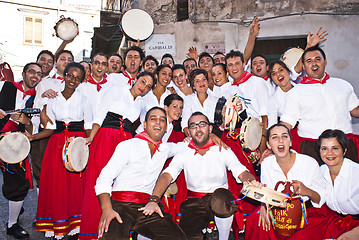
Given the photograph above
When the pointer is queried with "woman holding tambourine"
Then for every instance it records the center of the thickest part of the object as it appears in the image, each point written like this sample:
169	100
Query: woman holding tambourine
61	191
299	172
341	186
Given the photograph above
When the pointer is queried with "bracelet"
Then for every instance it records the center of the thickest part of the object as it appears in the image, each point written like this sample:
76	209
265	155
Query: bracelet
155	199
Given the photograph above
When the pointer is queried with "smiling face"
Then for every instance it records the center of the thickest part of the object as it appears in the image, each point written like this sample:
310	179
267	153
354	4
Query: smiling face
179	78
235	67
46	62
73	78
259	67
199	134
133	61
190	65
200	83
314	64
219	75
206	63
156	124
99	66
331	152
279	141
219	58
150	66
167	61
64	59
174	110
142	86
32	76
164	76
114	64
281	76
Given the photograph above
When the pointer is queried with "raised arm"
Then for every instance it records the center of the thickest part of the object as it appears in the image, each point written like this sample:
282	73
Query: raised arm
253	33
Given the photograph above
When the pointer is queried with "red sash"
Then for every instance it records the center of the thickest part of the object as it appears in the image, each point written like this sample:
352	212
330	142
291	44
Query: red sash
130	79
191	194
19	86
242	79
98	84
130	196
266	78
349	136
209	144
144	136
309	80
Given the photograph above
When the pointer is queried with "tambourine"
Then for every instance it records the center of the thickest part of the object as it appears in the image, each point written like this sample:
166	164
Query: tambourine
251	133
75	154
230	114
137	24
66	29
291	56
171	190
14	147
264	195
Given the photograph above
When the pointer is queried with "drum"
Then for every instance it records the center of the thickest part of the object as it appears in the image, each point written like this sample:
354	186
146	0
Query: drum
264	195
75	154
66	29
14	147
291	56
137	24
230	113
218	116
251	134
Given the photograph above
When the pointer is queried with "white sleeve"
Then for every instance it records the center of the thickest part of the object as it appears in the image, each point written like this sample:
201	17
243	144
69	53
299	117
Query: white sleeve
88	114
175	167
112	169
187	111
291	111
262	96
317	184
353	100
233	164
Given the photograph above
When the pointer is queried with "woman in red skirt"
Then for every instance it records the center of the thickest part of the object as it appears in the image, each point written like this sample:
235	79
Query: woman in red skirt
117	109
61	191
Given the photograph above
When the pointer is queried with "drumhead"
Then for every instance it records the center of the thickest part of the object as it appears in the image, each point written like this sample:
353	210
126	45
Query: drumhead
252	133
14	147
291	56
66	29
137	24
218	117
78	154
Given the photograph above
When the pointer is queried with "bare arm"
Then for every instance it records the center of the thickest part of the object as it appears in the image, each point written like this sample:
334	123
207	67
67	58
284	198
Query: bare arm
107	213
253	33
355	112
302	190
162	184
287	125
92	134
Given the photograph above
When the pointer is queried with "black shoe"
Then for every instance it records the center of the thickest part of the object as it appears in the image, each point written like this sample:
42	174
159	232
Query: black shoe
74	237
17	232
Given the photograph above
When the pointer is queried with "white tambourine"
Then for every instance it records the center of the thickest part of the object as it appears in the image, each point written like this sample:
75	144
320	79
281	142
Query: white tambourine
291	56
137	24
14	147
251	133
66	29
75	154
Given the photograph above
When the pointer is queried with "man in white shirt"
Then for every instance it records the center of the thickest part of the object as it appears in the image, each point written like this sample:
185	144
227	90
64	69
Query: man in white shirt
129	178
204	173
320	102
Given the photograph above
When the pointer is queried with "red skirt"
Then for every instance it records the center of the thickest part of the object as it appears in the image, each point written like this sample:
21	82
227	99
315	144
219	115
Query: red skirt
101	150
61	192
316	218
295	140
337	225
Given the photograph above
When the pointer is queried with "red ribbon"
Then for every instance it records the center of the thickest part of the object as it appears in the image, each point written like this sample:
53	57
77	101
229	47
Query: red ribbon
345	221
19	86
130	79
309	80
209	144
243	78
59	77
98	84
144	136
266	78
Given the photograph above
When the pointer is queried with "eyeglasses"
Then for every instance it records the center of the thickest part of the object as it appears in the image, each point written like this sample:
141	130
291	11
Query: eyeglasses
33	72
191	65
201	124
98	63
71	76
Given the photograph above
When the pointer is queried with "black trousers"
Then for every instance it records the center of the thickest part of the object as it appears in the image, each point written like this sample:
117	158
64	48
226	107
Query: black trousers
37	153
15	186
153	226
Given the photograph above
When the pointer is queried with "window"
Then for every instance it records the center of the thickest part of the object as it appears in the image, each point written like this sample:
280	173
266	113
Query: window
33	31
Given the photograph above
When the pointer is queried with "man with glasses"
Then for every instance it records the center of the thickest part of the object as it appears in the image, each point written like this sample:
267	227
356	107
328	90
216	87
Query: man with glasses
190	64
17	177
205	170
133	61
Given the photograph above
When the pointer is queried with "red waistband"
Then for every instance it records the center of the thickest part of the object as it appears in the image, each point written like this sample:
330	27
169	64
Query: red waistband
349	136
130	196
191	194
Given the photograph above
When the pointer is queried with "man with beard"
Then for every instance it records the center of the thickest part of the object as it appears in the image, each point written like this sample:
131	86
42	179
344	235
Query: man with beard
205	169
133	60
320	102
17	177
150	64
114	64
129	178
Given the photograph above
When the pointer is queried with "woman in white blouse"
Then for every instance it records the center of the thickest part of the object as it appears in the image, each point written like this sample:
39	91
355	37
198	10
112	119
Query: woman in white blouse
341	186
61	191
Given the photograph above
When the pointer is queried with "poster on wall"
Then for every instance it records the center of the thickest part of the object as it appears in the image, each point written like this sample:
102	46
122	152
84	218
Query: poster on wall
159	44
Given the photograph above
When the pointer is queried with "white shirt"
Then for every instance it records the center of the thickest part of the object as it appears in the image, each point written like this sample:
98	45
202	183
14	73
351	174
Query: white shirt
76	108
318	107
117	100
208	172
131	167
168	132
118	79
343	196
47	83
192	104
304	169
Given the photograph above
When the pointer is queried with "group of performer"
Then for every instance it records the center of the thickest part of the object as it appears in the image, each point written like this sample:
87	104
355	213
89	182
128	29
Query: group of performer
151	124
